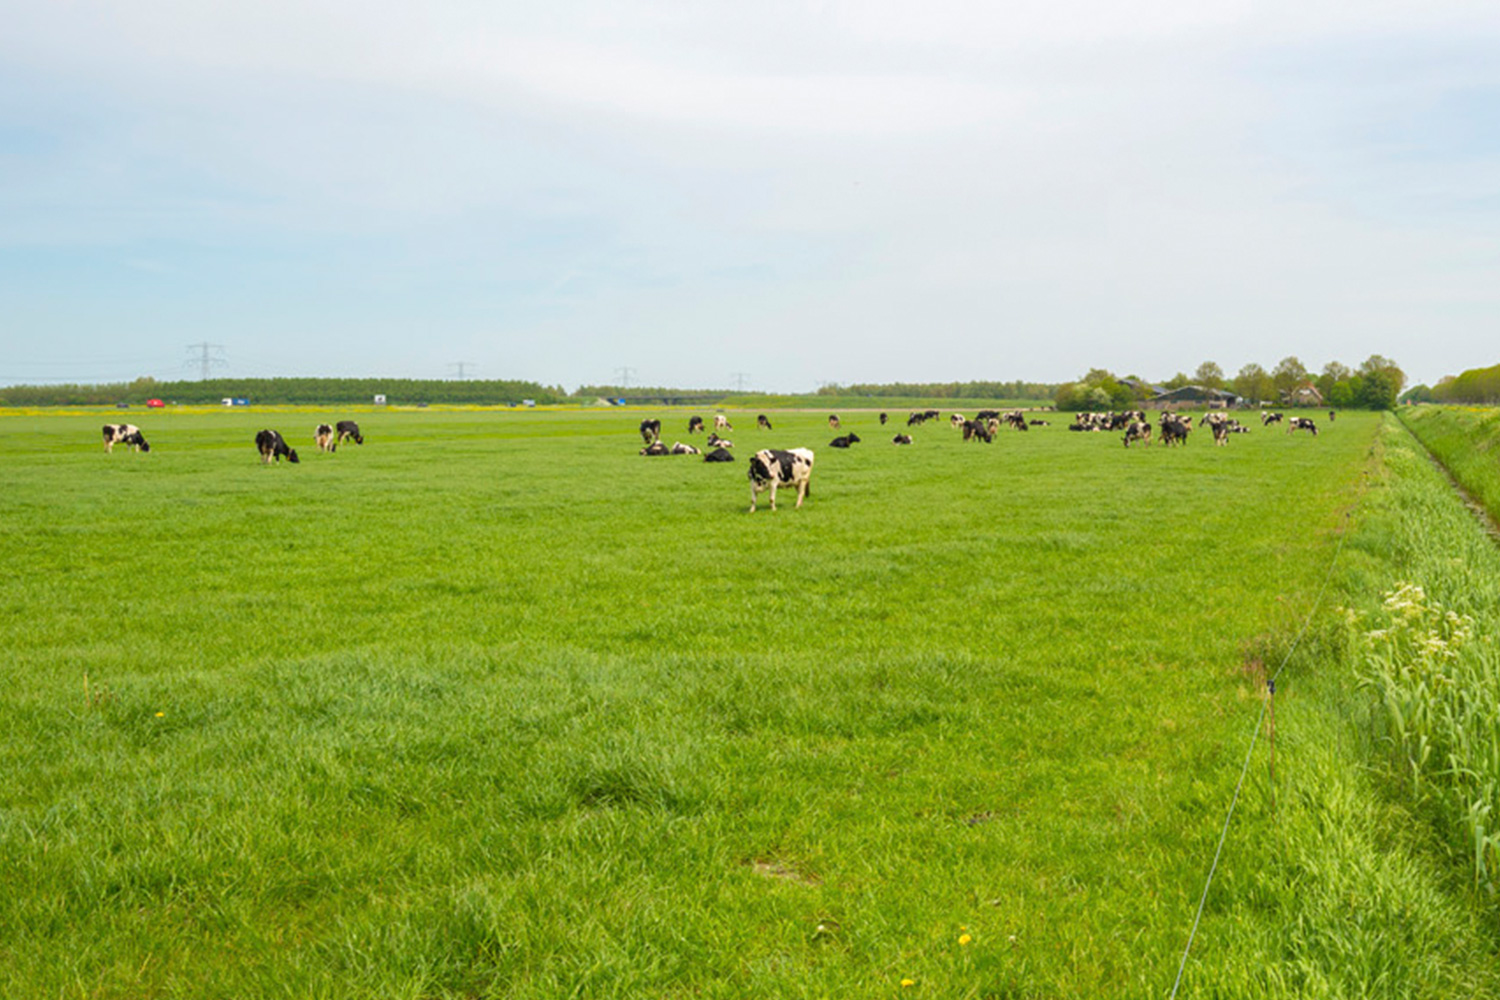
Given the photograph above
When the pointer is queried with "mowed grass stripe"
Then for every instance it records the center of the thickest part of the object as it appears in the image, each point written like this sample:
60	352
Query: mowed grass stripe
493	705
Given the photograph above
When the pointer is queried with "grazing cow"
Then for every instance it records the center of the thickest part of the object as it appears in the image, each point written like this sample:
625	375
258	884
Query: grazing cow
695	424
930	414
915	419
1138	430
714	441
678	448
1267	419
845	441
1220	431
763	422
719	455
1331	415
975	431
882	418
986	414
124	434
655	448
1173	430
650	431
721	423
992	425
1302	424
772	468
273	446
833	422
901	439
347	429
323	438
956	420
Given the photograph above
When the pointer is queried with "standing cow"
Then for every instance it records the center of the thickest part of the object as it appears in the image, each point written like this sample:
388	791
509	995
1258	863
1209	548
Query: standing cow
348	429
273	446
650	431
323	438
695	425
763	422
124	434
721	423
770	468
833	422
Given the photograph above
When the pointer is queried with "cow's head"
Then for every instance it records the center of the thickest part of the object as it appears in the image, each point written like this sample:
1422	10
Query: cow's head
291	455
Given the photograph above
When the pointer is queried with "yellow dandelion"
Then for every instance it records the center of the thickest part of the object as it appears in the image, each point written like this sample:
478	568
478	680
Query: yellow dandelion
964	939
908	982
160	714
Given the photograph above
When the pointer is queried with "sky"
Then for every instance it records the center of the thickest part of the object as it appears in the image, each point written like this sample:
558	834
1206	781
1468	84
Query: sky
776	195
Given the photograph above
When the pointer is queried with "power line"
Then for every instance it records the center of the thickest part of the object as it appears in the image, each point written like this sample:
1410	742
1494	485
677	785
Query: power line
208	357
460	366
739	380
624	373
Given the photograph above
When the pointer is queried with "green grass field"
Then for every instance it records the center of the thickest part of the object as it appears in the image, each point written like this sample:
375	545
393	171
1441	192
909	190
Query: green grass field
493	707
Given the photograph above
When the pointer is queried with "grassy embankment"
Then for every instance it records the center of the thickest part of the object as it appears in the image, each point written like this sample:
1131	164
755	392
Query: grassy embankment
493	707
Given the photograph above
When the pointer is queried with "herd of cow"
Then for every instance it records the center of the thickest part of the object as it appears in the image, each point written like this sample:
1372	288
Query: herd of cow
772	467
271	445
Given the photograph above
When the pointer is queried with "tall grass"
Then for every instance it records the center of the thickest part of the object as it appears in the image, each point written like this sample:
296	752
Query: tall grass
1427	649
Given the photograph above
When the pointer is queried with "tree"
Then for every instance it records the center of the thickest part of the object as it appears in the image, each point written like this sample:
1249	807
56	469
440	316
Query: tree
1288	374
1378	365
1177	381
1253	383
1379	389
1209	375
1337	371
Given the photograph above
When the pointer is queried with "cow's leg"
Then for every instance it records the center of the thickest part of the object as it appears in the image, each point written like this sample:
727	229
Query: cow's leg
801	493
754	492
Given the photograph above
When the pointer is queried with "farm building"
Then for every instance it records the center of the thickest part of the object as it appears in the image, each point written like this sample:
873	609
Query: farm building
1305	394
1195	394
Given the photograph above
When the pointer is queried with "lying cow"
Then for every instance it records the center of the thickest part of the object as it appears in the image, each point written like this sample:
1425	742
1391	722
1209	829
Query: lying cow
845	441
273	446
695	424
719	455
901	439
714	441
1302	424
124	434
763	422
772	468
323	438
655	448
650	431
1039	423
678	448
348	429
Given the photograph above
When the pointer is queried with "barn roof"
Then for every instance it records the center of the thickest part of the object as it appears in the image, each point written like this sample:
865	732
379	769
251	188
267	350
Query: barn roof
1196	394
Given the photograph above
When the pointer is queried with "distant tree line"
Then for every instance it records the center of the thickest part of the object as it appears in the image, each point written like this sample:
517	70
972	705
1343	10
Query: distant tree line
272	391
945	390
1375	385
1477	386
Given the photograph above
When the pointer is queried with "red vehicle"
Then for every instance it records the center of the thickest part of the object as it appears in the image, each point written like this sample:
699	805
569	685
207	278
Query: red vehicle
155	404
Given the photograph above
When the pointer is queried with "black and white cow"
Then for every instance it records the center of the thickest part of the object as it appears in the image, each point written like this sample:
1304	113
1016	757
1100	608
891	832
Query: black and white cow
1302	424
714	441
1039	423
957	420
348	429
656	448
273	446
901	439
763	422
695	424
650	431
719	455
1267	419
986	414
678	448
882	418
323	438
721	423
844	441
1331	415
770	468
1138	430
833	422
975	431
1174	430
124	434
